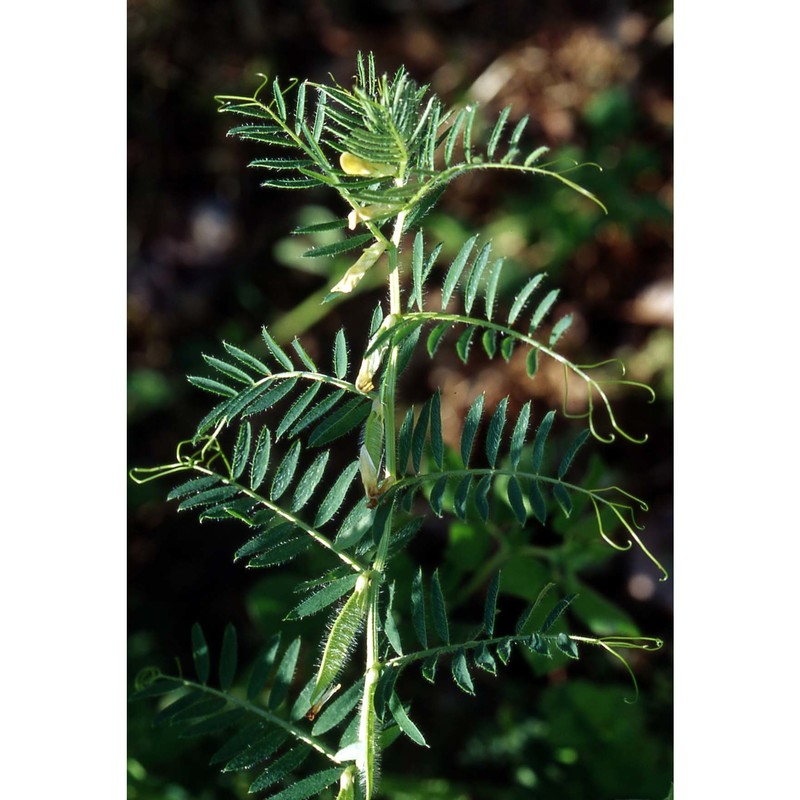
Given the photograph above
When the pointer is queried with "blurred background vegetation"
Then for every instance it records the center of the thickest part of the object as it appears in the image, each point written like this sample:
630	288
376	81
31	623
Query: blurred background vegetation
210	258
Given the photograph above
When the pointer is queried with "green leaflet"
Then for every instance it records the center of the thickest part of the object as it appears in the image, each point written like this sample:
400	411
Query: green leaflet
504	651
525	622
319	411
495	432
456	268
475	276
205	707
300	107
285	472
438	610
260	750
494	139
323	598
319	116
337	710
260	462
416	271
532	362
518	436
279	101
461	497
491	290
437	494
482	495
490	606
302	704
407	349
229	370
310	481
319	227
515	500
213	724
351	243
284	675
542	309
340	422
418	609
507	346
566	462
200	655
297	346
247	359
390	626
522	298
209	497
538	505
280	768
384	688
238	744
535	155
241	451
469	119
538	644
227	659
298	407
560	328
280	163
435	337
431	261
404	441
340	355
553	617
192	486
461	674
282	552
567	645
429	668
489	341
437	444
541	437
452	137
562	498
484	659
513	150
209	385
464	342
470	428
418	437
355	526
405	723
335	497
262	667
310	786
263	402
277	352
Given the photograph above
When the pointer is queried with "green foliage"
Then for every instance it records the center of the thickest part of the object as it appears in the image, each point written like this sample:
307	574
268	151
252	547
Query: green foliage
261	456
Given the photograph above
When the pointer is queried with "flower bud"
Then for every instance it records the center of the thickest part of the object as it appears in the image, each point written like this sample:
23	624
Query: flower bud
367	213
354	165
353	276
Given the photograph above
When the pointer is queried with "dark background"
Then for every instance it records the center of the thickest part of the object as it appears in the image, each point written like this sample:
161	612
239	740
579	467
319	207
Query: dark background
210	259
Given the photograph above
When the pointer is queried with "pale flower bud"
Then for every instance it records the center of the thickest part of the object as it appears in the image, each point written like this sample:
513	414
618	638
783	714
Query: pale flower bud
353	165
367	213
353	276
371	364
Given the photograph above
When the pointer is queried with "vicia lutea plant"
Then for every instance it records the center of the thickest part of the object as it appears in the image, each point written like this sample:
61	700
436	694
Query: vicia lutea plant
389	149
